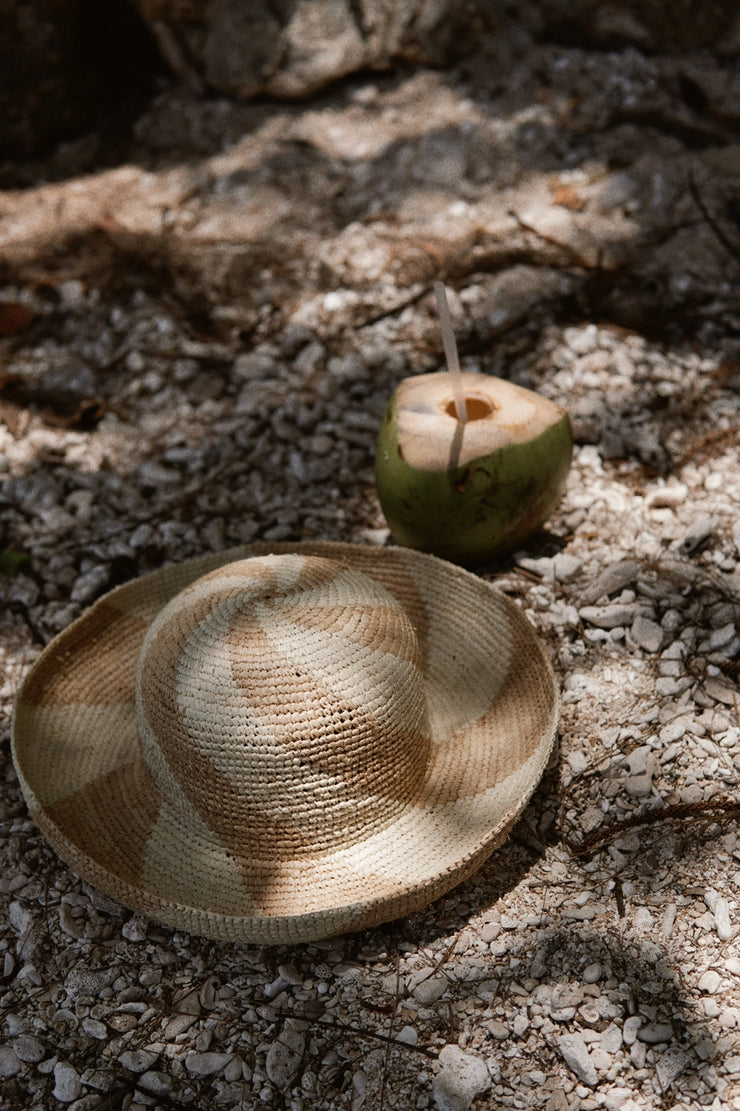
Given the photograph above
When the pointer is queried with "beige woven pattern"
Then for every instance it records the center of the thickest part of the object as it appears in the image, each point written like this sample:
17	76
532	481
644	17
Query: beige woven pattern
283	742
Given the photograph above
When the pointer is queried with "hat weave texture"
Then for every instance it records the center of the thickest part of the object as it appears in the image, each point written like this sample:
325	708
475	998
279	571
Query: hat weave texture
283	742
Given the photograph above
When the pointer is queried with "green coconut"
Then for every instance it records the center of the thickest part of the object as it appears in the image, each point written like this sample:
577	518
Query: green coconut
474	489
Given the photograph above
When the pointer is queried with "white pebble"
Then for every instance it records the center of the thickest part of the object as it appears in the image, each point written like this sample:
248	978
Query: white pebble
592	973
608	617
709	981
66	1083
461	1078
574	1052
566	566
721	911
666	495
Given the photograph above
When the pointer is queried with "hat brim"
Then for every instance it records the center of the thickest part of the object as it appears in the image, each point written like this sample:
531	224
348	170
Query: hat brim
493	707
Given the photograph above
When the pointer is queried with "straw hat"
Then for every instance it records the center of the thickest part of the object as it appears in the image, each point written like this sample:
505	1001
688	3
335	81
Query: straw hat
283	742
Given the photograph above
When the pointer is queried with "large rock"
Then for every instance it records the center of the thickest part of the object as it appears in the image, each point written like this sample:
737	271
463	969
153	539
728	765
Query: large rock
293	48
652	25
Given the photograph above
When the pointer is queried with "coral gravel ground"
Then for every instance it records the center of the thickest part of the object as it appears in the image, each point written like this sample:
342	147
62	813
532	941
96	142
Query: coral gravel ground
197	348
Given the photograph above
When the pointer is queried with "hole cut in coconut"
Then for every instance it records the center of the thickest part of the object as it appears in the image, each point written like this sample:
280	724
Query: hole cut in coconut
477	408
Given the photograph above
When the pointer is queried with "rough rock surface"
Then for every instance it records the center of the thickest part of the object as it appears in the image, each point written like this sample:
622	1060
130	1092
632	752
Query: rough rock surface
293	49
196	348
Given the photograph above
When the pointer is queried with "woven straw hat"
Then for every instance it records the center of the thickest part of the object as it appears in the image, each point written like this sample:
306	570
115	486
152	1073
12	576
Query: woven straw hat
283	742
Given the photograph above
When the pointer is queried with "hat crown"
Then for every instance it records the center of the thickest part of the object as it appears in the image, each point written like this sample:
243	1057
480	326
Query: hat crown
280	701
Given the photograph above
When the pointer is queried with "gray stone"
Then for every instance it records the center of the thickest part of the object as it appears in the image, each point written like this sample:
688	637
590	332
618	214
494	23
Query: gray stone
10	1063
613	578
720	638
156	1083
670	1065
574	1052
631	1028
428	989
617	1098
592	973
66	1083
696	535
83	981
609	616
461	1078
29	1048
647	634
611	1039
709	981
137	1060
208	1064
721	912
296	49
285	1055
654	1033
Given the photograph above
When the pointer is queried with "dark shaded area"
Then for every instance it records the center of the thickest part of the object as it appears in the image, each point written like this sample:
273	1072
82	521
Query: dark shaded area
67	66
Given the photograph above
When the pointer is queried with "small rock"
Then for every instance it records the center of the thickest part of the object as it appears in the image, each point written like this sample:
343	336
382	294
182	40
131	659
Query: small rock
696	535
673	731
544	567
613	578
617	1098
592	973
234	1070
709	981
10	1064
19	916
568	998
156	1083
720	638
670	1066
28	1048
94	1028
574	1052
137	1060
647	634
83	981
667	496
66	1083
566	566
721	912
641	760
284	1057
461	1078
578	761
639	786
135	929
611	1039
610	616
89	584
631	1028
654	1033
208	1064
429	989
